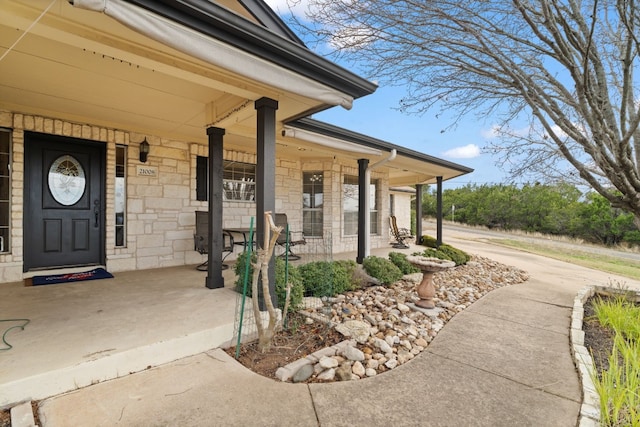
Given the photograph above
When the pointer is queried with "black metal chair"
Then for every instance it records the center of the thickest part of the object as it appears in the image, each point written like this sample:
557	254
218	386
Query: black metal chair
400	234
201	240
281	221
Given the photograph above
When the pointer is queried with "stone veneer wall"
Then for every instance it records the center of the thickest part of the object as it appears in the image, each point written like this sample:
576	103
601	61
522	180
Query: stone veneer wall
160	218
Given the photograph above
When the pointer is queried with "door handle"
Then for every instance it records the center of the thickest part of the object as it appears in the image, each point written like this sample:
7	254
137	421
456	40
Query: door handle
96	213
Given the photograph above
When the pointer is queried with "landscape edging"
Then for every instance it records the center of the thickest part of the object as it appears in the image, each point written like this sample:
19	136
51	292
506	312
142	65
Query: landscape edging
590	409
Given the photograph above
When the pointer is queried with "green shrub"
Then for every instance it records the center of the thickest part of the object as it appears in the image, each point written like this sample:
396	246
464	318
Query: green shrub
429	241
317	278
433	253
447	252
295	279
382	269
297	290
443	251
324	278
342	276
400	261
632	237
456	255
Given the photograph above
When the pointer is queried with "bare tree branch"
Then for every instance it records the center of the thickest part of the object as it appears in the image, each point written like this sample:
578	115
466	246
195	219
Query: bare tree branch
569	66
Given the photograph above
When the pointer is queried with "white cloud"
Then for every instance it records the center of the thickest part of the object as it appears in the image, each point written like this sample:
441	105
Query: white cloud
466	152
559	132
490	133
496	131
351	37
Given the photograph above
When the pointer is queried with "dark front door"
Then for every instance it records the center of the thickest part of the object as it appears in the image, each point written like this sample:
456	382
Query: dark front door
63	202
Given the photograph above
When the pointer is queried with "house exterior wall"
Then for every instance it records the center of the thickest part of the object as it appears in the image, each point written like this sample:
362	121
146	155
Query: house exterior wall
402	208
160	220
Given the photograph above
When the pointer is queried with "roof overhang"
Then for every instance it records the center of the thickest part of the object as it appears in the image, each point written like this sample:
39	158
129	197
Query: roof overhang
79	65
409	167
202	42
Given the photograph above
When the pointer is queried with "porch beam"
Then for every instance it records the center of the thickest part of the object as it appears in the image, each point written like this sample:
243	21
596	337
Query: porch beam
214	233
439	211
228	110
363	210
418	214
266	178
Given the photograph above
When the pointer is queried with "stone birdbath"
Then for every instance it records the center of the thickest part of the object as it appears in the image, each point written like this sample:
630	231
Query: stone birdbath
428	266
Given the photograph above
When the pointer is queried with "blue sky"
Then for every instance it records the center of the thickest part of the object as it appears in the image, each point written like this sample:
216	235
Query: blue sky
376	115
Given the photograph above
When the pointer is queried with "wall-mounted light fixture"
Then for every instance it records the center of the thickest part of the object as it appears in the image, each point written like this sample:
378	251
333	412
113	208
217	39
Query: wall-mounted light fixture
144	150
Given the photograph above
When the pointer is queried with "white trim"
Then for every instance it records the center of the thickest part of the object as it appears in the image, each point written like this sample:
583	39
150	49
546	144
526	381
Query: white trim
328	141
367	199
214	51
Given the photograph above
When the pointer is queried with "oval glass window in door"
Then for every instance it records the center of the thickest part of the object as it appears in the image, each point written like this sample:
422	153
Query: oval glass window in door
66	180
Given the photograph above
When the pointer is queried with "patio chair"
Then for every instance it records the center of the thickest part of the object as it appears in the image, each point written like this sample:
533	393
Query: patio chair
281	221
201	240
400	234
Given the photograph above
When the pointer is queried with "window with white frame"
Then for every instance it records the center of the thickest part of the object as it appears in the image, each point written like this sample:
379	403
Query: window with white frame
5	189
238	180
350	191
121	195
312	203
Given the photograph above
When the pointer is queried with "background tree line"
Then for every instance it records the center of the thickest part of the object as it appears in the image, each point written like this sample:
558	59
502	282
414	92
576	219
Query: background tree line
559	209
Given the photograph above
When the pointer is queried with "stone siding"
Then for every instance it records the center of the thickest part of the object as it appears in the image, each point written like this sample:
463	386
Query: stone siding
160	219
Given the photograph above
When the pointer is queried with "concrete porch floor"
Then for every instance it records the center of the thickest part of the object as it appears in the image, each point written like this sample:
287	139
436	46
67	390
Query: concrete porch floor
91	331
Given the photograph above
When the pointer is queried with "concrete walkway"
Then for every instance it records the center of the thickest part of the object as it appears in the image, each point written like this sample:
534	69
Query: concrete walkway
504	361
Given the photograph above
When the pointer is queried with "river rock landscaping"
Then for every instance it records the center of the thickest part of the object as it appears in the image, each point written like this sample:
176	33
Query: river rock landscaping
369	331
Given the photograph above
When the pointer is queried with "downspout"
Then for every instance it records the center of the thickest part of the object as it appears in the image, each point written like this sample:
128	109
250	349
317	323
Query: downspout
367	219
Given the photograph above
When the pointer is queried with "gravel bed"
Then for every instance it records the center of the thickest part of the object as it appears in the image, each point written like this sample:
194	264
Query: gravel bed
384	329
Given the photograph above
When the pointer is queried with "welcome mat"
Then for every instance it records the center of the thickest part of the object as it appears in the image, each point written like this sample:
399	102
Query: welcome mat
97	273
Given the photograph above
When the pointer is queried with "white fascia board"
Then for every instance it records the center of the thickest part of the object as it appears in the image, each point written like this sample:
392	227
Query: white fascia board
328	141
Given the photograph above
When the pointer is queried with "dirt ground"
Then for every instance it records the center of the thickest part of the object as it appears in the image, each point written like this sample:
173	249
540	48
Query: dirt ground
290	344
5	416
597	339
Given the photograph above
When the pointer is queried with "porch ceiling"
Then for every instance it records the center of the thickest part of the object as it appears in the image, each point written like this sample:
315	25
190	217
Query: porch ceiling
83	66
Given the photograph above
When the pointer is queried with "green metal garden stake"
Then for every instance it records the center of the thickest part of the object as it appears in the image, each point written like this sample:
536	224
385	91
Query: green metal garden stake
244	287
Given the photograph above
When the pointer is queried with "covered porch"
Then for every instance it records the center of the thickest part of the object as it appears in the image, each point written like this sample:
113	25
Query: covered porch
86	332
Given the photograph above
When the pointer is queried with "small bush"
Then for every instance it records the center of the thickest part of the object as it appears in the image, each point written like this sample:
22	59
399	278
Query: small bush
446	252
429	241
324	278
317	278
456	255
348	265
295	279
433	253
443	251
632	237
382	269
400	261
297	290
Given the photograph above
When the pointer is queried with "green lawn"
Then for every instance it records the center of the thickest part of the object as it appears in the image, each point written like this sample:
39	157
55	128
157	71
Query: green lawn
627	268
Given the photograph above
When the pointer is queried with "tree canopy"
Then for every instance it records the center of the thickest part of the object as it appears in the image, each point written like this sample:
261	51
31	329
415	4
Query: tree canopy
559	209
566	67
